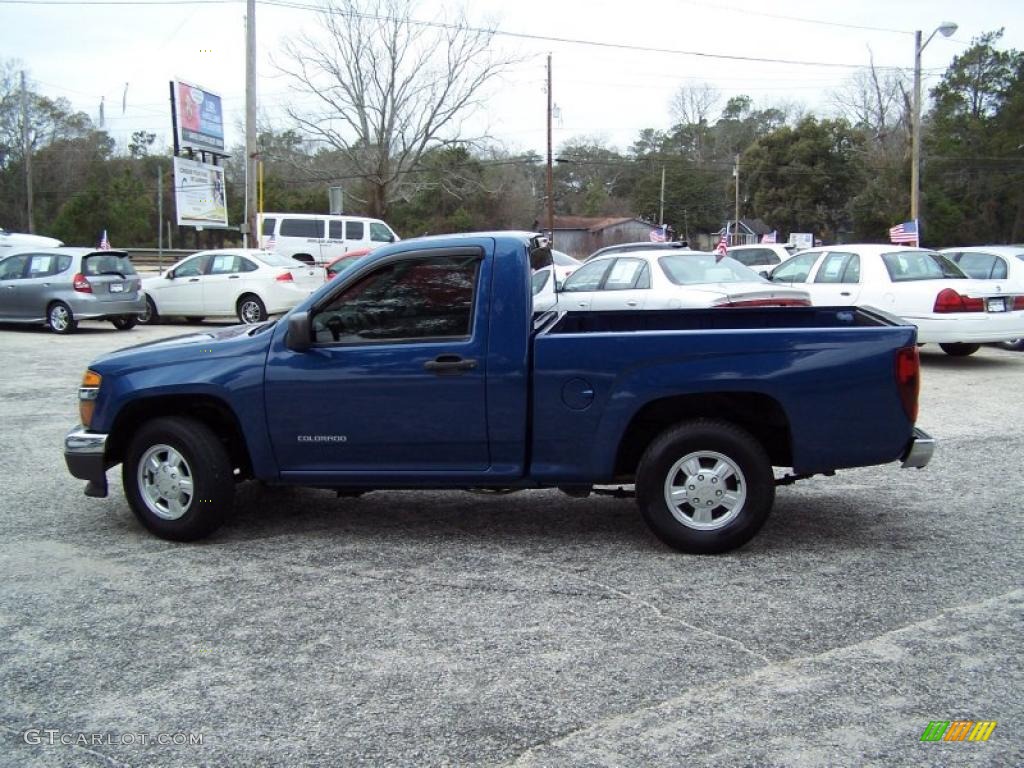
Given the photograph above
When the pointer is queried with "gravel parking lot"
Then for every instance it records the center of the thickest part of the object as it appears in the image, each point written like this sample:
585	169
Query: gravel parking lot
532	629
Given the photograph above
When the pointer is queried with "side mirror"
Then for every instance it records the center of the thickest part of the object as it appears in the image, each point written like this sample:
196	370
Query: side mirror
169	274
765	274
299	338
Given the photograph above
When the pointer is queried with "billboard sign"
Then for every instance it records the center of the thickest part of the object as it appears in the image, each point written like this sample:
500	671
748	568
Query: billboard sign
199	194
200	118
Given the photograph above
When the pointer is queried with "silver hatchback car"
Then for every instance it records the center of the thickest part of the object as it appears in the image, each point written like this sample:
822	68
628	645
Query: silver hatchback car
60	286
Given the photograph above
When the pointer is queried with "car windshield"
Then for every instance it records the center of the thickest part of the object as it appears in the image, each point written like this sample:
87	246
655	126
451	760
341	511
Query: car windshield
277	260
539	280
563	259
107	264
904	266
695	267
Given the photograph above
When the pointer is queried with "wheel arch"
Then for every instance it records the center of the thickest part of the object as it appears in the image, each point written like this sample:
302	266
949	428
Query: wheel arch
209	410
759	414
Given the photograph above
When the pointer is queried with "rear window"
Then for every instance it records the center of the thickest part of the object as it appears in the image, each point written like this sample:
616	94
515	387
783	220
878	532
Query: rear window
277	260
749	257
906	266
981	265
694	268
563	259
107	264
310	228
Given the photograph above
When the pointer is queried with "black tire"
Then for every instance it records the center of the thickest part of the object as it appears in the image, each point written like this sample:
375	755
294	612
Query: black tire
710	529
125	322
60	319
150	316
193	319
960	350
250	309
203	459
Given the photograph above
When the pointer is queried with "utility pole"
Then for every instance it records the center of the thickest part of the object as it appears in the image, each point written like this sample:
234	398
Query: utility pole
661	207
551	178
160	215
736	173
250	124
26	153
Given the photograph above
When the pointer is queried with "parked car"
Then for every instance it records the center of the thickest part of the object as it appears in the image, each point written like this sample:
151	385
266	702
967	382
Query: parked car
762	257
16	241
564	265
61	286
340	263
244	282
993	262
640	246
316	238
660	279
923	287
425	367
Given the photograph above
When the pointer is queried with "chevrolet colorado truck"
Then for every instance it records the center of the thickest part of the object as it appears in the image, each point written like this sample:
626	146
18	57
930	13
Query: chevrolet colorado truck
426	365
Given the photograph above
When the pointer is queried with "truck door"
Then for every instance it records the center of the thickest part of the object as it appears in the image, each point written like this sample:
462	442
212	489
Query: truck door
395	379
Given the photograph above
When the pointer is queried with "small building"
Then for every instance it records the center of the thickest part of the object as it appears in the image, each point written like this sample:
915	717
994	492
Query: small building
748	232
580	236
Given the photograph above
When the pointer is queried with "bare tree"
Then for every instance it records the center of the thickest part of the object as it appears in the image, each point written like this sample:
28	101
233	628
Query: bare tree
388	88
875	101
693	104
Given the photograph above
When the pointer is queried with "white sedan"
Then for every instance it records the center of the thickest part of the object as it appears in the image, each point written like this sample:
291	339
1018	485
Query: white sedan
987	262
246	283
921	286
659	279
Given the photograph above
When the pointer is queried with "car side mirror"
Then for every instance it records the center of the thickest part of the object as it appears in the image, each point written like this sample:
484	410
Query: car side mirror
299	338
765	274
169	274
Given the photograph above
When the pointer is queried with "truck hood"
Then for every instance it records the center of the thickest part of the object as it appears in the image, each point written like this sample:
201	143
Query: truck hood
235	341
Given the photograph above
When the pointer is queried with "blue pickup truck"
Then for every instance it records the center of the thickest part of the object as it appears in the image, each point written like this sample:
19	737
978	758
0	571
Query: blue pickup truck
426	365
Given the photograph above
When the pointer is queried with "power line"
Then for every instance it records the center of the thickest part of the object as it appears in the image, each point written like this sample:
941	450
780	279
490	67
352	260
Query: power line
801	19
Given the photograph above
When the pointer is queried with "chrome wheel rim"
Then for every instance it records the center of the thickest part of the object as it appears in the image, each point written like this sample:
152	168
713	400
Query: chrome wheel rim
250	312
705	490
60	318
144	317
165	482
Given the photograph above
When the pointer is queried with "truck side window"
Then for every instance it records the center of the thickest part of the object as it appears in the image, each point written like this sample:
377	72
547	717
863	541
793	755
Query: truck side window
410	300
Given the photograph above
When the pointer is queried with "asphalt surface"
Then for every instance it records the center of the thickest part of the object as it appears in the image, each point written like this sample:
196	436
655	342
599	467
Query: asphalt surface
532	629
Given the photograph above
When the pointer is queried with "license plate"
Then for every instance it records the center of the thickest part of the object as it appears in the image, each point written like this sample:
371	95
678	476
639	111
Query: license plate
116	288
996	305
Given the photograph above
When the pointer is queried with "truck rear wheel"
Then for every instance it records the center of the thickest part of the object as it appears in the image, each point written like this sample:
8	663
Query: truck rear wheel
705	486
178	479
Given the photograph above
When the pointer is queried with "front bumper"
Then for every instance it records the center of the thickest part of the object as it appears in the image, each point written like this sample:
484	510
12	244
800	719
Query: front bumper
920	450
85	455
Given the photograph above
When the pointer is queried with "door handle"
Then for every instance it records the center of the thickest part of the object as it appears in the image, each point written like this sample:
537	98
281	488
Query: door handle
193	280
632	303
844	293
233	277
449	364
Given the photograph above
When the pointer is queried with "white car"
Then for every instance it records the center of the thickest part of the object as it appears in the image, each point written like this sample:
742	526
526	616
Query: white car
923	287
246	283
13	241
761	257
660	279
565	265
987	262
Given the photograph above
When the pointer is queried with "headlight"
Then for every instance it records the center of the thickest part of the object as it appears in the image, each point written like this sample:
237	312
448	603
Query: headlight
87	394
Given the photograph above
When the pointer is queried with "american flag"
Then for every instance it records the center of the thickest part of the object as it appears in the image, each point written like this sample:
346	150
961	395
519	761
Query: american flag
770	237
658	234
722	249
104	242
269	243
904	233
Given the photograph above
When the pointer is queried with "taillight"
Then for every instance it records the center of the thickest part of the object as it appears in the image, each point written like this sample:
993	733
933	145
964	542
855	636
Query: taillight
80	284
285	277
908	379
1018	302
949	300
766	303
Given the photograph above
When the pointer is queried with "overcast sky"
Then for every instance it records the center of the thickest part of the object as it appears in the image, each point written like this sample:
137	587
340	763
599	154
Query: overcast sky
87	51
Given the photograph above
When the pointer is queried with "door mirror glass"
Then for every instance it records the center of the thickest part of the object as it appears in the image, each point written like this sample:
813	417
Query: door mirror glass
299	338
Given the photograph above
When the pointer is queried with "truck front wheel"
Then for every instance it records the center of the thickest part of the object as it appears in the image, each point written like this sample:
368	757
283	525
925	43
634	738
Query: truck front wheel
705	486
178	478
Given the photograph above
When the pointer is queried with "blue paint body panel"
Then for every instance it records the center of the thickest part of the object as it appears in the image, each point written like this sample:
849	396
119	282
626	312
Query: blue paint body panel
542	407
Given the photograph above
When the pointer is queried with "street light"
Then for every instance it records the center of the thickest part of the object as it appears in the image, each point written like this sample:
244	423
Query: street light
947	28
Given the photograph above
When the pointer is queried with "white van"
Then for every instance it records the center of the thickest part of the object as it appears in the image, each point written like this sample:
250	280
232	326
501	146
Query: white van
318	238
